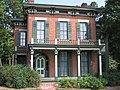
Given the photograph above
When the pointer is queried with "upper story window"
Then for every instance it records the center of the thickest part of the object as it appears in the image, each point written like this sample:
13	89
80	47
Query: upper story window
83	31
63	30
40	31
22	38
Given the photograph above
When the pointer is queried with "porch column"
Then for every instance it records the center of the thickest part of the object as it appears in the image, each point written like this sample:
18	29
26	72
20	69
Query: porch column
56	63
32	52
100	63
78	53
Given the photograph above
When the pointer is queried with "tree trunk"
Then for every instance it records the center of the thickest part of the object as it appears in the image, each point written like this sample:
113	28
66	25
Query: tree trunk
0	62
13	59
9	61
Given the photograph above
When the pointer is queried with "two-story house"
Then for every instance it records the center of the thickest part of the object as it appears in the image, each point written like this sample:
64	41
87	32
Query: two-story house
58	40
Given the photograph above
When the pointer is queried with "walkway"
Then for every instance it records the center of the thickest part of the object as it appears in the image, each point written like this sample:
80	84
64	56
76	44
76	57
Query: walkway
47	86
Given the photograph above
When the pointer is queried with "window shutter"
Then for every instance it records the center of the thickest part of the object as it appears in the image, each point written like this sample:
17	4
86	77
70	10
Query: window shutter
58	30
34	33
69	31
89	30
17	38
25	38
77	30
46	31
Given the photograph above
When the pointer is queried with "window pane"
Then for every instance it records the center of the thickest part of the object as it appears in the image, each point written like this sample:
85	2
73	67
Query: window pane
63	30
40	31
22	38
38	63
84	63
83	31
63	64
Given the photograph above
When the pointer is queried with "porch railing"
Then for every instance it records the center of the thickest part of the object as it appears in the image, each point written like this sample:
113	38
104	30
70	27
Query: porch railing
66	42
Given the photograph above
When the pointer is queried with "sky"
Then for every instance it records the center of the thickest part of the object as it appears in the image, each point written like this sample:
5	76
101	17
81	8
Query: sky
70	2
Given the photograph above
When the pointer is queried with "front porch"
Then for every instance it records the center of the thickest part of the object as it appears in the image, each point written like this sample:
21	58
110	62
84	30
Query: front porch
78	58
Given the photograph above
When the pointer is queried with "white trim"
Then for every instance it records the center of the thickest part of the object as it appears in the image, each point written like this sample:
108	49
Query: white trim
81	20
31	61
66	48
56	66
79	65
40	18
22	29
21	53
63	19
100	63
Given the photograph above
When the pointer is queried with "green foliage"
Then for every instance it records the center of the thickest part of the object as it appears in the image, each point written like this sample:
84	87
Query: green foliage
6	44
84	82
113	64
91	82
18	76
113	77
67	82
109	24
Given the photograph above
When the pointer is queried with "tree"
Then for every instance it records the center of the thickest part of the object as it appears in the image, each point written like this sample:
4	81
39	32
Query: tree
110	21
8	9
13	9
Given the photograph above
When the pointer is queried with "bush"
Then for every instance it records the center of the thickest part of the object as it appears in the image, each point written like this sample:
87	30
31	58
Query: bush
18	76
67	83
91	82
113	77
84	82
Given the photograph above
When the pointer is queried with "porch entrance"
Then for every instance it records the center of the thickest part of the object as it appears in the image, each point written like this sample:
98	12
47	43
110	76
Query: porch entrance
40	65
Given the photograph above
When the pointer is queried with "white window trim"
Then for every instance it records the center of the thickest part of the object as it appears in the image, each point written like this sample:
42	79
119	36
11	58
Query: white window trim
81	20
63	19
40	18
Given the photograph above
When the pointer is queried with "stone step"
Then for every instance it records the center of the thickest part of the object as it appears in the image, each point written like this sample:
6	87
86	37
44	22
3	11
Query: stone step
47	86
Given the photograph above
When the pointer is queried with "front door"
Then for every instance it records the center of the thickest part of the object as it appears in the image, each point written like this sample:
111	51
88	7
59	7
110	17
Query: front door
40	66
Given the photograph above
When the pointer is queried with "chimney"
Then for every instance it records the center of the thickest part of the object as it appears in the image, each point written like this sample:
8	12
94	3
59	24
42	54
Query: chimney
84	5
30	1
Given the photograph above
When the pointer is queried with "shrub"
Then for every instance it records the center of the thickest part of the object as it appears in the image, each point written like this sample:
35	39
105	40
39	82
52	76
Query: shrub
18	76
113	77
84	82
67	83
91	82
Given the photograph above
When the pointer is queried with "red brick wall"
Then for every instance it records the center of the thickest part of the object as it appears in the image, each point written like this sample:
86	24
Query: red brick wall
52	21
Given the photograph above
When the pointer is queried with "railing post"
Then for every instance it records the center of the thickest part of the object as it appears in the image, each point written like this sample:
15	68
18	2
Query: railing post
55	40
99	41
32	52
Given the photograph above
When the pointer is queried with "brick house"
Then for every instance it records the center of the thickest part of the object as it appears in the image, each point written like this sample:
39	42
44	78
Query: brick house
58	40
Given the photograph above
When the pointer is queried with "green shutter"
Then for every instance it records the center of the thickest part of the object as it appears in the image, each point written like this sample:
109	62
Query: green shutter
46	31
77	30
89	30
34	33
58	30
18	38
69	31
25	38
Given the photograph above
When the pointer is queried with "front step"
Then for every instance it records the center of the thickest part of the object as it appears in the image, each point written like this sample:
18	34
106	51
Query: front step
49	79
47	86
